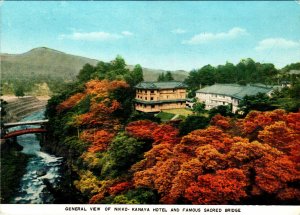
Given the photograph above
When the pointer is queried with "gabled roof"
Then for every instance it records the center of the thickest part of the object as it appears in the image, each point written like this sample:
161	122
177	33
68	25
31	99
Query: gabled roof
236	90
160	85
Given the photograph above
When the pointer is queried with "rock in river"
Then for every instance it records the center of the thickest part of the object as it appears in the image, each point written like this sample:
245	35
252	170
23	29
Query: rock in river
41	172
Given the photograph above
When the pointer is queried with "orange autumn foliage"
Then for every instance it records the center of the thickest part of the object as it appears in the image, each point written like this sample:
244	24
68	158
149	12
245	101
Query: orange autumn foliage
188	173
199	146
293	121
274	174
280	136
97	198
257	120
148	130
166	133
70	102
102	106
99	139
212	135
221	121
102	88
223	187
211	166
289	194
141	129
159	177
118	188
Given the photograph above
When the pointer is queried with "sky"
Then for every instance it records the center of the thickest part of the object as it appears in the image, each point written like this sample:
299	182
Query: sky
159	35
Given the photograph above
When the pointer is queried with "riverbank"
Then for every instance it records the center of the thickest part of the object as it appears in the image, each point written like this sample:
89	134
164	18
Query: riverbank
20	107
13	167
13	161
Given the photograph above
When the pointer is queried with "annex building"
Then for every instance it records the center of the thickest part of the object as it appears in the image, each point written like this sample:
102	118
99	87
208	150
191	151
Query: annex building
225	94
157	96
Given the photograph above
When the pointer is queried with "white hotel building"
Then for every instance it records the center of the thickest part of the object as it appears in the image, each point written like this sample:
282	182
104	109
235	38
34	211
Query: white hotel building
225	94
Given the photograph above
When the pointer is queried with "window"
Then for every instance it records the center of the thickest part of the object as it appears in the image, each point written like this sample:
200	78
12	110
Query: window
146	98
152	106
145	91
152	91
167	97
151	98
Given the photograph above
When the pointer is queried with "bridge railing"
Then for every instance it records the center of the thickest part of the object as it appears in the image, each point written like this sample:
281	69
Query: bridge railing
36	122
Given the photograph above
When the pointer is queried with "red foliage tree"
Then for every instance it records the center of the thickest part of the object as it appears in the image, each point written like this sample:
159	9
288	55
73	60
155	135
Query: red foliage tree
211	166
223	187
99	139
70	102
142	129
257	120
118	188
280	136
273	175
221	122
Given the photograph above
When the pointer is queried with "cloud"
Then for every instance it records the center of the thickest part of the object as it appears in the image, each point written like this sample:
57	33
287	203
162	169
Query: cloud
95	36
277	43
210	37
127	33
178	31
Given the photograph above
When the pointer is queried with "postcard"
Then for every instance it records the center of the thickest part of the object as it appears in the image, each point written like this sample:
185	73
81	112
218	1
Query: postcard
150	107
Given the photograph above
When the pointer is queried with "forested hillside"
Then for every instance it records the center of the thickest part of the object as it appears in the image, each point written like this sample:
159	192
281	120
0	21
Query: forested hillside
120	157
45	71
245	72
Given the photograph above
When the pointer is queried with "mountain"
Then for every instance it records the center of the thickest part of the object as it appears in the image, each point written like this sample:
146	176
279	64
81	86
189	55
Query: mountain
42	62
51	63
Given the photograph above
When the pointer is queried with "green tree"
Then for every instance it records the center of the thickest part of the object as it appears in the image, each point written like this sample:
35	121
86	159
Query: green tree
260	102
192	123
117	70
19	91
161	77
102	69
199	107
226	73
169	76
224	110
165	77
135	76
138	74
122	153
86	73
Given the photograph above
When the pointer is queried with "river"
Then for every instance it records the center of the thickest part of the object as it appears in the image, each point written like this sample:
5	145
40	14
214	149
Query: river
42	168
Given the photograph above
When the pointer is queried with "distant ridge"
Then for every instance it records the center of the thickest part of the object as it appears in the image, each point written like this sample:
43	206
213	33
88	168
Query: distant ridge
43	61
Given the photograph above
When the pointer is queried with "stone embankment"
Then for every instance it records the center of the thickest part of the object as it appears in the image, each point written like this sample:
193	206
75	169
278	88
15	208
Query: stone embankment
18	108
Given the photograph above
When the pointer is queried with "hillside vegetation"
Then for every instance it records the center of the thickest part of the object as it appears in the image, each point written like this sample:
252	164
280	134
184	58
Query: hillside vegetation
119	156
42	61
40	66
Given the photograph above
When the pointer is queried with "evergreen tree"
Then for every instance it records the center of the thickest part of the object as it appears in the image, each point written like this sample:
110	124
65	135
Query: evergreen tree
165	77
19	91
161	77
168	76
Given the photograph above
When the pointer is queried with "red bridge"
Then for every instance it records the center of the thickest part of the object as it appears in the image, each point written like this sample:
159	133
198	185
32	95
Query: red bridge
24	131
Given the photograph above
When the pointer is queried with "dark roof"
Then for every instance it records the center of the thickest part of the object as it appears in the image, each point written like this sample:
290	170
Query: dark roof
160	101
160	85
236	90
